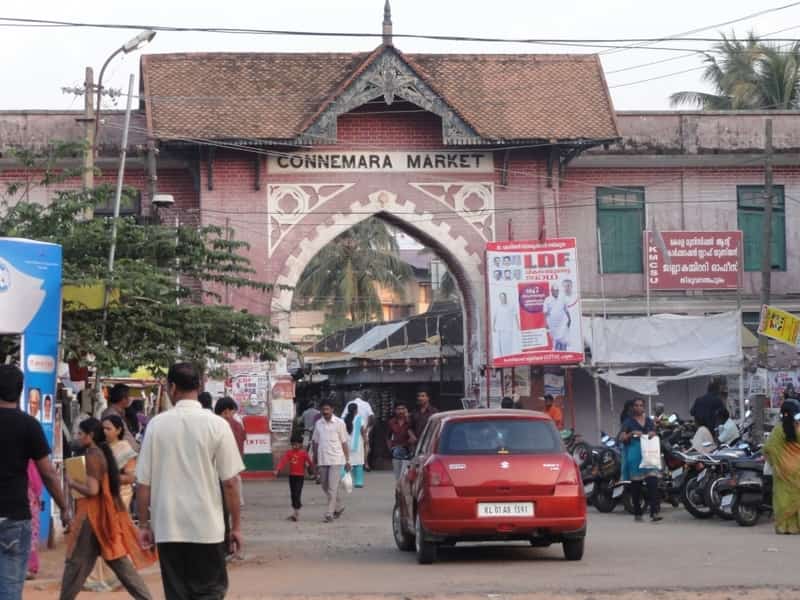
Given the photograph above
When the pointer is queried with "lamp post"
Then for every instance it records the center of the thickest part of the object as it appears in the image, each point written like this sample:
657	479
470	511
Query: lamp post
133	44
93	94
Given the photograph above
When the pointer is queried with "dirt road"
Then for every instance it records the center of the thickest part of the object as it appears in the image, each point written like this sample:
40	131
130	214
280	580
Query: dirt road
356	556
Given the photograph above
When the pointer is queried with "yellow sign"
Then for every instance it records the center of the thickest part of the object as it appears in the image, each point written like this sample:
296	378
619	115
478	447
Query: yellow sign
779	325
87	297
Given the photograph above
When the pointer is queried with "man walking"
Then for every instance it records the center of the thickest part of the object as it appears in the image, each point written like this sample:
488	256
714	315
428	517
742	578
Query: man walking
331	453
419	419
21	440
186	453
119	399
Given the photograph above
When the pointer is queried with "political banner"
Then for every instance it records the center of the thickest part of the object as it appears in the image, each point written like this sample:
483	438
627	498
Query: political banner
779	325
534	303
693	260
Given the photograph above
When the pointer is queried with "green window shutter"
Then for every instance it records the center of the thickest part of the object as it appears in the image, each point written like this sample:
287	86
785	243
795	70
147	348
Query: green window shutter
750	199
620	220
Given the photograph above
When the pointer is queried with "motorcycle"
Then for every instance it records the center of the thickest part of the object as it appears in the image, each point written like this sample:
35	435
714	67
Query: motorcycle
699	495
752	491
580	451
606	464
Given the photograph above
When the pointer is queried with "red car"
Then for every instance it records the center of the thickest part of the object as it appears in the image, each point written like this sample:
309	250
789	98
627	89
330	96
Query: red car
489	475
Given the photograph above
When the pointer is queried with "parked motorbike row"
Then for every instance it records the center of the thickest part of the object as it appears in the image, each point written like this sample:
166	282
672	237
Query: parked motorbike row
732	482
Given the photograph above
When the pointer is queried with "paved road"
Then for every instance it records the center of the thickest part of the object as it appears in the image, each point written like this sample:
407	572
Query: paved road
356	555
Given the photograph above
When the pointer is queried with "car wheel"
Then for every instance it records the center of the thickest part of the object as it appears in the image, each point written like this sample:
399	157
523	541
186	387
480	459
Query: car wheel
426	550
573	549
404	541
604	501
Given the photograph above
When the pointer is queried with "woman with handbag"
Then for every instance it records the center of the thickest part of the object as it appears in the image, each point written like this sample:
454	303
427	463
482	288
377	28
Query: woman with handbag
636	426
356	433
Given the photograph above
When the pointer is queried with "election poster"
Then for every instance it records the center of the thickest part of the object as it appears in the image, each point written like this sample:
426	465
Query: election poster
534	303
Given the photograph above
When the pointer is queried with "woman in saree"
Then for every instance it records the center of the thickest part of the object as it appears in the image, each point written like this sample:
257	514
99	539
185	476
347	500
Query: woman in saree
101	578
355	432
102	527
783	452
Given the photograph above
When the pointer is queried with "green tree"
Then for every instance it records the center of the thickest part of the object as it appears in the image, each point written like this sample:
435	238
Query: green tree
747	75
346	274
161	275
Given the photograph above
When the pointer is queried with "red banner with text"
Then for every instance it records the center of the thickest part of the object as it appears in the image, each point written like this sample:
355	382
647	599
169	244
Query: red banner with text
693	260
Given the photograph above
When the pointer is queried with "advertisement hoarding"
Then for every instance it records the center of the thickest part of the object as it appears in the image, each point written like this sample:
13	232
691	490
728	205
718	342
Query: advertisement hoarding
779	325
693	260
534	303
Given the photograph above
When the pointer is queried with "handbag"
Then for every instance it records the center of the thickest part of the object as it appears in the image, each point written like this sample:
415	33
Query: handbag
347	482
651	452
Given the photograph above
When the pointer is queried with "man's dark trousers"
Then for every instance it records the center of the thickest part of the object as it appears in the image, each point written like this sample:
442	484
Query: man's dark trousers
193	571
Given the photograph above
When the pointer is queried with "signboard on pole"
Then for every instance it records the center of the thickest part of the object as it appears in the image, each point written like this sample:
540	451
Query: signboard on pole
693	260
534	303
779	325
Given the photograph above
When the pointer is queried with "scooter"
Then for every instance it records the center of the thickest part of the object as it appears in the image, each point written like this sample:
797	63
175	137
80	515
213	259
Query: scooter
606	466
752	492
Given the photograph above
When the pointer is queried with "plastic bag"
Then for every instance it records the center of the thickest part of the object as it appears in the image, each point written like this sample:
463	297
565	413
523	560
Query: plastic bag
651	452
347	482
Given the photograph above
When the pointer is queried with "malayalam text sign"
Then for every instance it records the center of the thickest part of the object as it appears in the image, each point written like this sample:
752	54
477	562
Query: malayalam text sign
693	260
534	303
779	325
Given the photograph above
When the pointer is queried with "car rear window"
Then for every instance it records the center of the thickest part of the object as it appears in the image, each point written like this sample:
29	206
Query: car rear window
500	436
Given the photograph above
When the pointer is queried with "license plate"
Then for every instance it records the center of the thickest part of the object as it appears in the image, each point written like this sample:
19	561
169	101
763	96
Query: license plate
617	492
505	509
588	488
726	500
677	473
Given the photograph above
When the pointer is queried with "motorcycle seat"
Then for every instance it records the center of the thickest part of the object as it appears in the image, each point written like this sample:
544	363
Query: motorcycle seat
749	464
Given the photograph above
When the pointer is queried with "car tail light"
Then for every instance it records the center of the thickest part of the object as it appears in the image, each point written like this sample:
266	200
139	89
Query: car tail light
568	475
436	474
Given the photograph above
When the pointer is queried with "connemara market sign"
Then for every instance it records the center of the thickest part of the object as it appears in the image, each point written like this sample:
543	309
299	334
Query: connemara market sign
392	162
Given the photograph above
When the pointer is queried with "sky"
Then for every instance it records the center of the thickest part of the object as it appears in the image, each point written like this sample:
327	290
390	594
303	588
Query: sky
38	62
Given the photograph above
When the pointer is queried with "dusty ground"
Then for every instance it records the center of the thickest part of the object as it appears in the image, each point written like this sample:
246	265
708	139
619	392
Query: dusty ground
356	557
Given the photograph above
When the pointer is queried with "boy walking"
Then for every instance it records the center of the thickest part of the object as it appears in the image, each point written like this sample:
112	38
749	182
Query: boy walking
297	459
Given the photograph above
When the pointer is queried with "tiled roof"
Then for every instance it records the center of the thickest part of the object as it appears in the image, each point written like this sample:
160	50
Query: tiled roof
274	96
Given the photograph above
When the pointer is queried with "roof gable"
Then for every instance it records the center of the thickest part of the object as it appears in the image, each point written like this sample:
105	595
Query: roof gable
387	74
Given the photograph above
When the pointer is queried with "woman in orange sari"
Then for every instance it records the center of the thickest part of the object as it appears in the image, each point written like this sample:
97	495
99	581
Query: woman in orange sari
102	527
783	452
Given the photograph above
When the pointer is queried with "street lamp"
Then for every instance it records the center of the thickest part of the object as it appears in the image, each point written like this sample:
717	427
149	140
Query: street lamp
133	44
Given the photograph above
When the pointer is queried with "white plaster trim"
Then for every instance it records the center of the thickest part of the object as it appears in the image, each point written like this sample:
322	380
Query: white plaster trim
482	189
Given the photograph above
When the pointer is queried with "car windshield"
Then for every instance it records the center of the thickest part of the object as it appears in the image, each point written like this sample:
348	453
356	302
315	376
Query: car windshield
499	436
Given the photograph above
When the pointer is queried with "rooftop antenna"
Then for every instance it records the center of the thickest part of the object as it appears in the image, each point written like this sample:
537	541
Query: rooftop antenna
387	24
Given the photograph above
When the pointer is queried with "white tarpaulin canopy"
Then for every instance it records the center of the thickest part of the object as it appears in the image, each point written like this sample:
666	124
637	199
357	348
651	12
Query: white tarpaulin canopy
700	345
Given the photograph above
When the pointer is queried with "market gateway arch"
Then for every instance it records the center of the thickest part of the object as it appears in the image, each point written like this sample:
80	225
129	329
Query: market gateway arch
429	212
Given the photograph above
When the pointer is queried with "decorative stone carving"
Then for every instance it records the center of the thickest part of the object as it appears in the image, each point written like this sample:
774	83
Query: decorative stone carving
390	77
472	200
288	203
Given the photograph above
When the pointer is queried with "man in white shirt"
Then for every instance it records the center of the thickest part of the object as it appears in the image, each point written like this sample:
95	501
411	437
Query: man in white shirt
187	451
728	431
331	455
558	319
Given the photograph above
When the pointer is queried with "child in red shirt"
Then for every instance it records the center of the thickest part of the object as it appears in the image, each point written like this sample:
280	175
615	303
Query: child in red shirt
297	459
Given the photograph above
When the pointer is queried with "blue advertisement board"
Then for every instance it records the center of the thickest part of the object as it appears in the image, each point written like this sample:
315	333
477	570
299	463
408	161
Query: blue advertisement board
30	306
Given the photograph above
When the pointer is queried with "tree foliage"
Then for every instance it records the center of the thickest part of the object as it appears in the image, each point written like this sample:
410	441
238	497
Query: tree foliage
345	275
748	75
161	276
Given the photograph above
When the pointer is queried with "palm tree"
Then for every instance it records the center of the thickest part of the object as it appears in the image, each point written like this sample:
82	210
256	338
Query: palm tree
747	75
346	273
